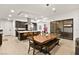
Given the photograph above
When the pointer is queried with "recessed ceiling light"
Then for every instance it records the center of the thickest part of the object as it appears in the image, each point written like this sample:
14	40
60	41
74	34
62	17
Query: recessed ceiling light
10	15
8	18
26	15
42	16
12	11
36	18
54	9
45	18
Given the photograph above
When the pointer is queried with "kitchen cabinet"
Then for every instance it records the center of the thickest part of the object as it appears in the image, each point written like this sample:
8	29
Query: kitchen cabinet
1	36
0	39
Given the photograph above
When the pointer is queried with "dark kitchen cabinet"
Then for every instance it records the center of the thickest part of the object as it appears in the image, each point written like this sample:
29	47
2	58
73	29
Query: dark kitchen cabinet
20	24
0	39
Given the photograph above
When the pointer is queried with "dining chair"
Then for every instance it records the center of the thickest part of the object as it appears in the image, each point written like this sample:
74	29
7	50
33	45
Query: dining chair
32	43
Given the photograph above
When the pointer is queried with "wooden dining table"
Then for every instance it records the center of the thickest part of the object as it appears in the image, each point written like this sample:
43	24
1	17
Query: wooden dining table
43	41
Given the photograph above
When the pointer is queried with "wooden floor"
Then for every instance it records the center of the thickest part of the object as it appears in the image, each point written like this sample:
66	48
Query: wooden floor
12	46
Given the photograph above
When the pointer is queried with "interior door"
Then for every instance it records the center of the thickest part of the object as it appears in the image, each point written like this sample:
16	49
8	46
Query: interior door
8	28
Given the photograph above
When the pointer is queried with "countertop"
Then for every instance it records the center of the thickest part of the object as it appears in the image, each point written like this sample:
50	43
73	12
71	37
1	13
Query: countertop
26	31
19	29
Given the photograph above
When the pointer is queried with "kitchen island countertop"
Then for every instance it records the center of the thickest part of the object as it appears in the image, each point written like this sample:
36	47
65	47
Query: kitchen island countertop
26	31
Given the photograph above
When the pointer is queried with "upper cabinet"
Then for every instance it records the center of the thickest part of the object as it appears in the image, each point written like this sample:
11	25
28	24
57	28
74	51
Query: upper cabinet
20	24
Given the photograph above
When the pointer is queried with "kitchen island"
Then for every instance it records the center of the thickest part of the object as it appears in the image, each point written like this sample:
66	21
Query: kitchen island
22	35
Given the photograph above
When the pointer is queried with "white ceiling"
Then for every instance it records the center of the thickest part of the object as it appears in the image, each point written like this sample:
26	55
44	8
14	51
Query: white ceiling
36	9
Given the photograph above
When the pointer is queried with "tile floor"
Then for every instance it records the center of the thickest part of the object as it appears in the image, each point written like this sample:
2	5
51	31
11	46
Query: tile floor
12	46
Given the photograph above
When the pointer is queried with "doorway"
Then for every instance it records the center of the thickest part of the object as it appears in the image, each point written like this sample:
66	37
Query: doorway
7	28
